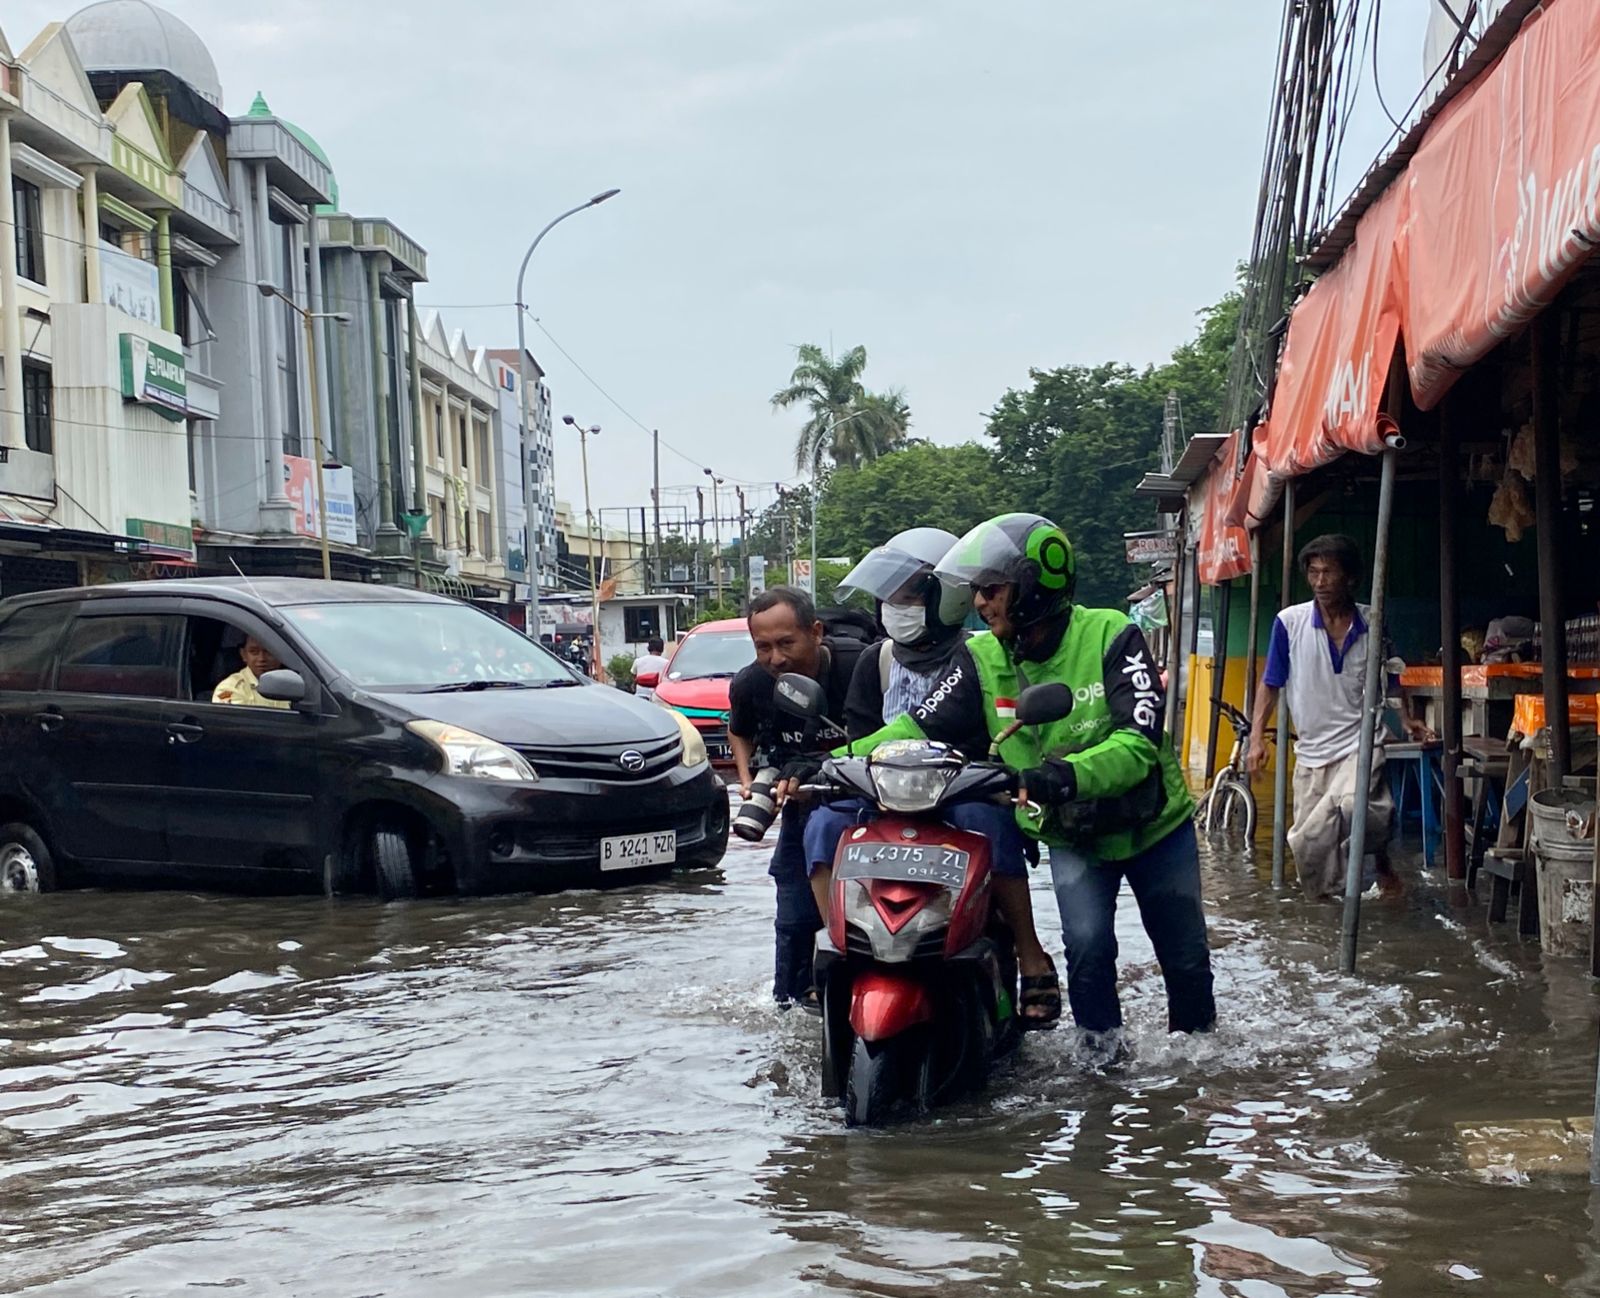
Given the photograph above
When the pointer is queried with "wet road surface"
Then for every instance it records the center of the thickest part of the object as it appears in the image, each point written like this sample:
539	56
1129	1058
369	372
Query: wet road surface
591	1094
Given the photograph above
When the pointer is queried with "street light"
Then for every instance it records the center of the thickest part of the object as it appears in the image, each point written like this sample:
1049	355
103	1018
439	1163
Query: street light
716	527
584	434
268	289
522	371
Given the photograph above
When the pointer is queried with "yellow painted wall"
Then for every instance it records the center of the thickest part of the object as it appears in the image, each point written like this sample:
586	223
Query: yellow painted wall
1197	717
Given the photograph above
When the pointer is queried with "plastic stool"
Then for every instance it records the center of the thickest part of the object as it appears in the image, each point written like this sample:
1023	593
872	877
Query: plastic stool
1413	765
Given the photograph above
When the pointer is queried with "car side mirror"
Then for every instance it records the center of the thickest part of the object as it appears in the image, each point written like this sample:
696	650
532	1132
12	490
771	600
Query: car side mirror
800	696
282	686
647	680
1039	705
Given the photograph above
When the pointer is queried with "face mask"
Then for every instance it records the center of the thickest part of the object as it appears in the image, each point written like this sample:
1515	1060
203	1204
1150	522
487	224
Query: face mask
905	623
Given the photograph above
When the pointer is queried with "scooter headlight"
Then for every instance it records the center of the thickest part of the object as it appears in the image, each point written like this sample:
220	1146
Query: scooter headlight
910	789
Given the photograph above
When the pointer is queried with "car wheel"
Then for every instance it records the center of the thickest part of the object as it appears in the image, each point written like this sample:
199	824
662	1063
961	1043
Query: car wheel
393	864
25	862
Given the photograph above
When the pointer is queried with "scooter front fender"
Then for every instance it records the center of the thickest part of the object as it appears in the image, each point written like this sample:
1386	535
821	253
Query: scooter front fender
884	1005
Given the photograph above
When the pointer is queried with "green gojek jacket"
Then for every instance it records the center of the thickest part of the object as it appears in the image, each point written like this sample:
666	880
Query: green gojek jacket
1127	790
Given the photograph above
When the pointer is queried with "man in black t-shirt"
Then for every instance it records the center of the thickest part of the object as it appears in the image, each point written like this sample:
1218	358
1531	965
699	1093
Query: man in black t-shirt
788	638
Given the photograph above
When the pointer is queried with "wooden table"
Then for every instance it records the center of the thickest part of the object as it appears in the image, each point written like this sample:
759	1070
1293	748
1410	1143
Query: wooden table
1490	691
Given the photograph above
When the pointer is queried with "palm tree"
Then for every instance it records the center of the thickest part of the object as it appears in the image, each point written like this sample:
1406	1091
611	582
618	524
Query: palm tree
831	389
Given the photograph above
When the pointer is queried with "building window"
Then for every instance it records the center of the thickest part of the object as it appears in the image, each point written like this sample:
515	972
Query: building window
485	535
38	428
438	434
641	624
30	231
461	437
436	522
466	528
482	437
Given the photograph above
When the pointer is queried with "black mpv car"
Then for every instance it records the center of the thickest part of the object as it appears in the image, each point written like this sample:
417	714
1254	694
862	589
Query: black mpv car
425	747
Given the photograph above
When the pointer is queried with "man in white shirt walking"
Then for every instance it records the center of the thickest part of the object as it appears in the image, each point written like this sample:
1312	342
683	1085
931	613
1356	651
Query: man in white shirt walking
1318	654
652	663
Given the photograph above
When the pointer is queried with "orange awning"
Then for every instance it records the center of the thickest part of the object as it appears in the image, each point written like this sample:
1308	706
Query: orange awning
1505	197
1223	550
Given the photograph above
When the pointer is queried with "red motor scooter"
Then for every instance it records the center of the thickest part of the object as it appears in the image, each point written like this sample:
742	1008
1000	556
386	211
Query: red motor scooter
915	970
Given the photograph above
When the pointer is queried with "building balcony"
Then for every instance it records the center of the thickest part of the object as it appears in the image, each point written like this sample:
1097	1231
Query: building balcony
291	166
28	474
89	135
219	219
375	234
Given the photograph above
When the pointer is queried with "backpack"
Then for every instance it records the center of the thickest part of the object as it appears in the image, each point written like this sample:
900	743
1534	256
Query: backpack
851	632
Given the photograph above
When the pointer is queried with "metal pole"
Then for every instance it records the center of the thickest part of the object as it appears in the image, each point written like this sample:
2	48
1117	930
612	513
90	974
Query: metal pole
1175	641
1547	510
527	418
1219	671
1371	705
655	497
816	468
380	399
744	553
700	547
594	585
716	531
1280	773
316	444
1250	654
1455	834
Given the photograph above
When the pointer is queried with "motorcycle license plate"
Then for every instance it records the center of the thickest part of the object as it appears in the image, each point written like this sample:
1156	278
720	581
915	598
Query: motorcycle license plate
630	851
913	863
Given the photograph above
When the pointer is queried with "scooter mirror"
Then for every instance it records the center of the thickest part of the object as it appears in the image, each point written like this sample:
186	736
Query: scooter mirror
1040	704
800	696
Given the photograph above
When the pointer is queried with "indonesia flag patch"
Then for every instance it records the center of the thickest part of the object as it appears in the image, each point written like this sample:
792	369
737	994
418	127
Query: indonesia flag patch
1006	709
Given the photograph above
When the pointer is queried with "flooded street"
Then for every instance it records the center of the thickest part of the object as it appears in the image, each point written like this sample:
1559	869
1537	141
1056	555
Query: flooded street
592	1095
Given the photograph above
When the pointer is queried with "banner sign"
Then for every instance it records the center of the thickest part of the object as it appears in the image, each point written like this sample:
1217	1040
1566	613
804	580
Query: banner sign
129	284
300	485
154	376
162	536
758	574
1150	547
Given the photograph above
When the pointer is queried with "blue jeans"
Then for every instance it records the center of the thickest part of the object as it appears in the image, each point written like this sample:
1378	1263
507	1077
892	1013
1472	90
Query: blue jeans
1007	849
797	920
1165	880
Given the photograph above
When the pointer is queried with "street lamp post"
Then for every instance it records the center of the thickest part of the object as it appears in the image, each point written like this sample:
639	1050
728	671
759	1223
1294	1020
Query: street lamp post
584	434
268	289
522	383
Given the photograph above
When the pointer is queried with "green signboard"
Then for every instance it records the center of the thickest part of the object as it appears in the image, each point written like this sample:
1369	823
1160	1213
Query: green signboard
163	536
154	376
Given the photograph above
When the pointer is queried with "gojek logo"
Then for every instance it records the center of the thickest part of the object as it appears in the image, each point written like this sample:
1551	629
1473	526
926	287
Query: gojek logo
1146	694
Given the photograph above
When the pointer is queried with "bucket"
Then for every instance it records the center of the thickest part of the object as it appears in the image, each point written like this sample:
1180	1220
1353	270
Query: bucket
1566	869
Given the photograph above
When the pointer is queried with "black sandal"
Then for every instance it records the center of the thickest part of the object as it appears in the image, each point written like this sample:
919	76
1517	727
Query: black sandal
1040	992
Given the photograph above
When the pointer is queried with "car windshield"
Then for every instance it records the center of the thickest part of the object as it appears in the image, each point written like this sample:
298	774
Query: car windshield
425	645
712	653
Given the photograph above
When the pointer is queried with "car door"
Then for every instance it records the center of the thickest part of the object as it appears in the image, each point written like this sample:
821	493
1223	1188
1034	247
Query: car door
102	732
29	637
247	804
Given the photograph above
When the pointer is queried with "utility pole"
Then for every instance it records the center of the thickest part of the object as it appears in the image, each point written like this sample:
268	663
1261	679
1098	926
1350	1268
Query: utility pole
655	499
744	552
783	529
716	530
700	549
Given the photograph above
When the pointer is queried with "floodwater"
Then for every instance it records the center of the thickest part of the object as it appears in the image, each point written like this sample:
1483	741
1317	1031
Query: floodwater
591	1094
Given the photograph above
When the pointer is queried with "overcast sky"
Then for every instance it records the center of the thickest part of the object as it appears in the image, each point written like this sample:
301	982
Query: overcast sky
967	189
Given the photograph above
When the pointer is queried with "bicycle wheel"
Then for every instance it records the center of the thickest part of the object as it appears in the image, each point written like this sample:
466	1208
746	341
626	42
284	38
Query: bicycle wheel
1233	812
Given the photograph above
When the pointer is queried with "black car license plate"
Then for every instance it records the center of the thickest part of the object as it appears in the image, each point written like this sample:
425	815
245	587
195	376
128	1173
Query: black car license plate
910	862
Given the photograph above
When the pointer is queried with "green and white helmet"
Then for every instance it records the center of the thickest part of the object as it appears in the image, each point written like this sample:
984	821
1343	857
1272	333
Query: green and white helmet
1026	551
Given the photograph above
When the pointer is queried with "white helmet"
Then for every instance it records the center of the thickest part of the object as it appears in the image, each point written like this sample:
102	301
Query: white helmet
904	565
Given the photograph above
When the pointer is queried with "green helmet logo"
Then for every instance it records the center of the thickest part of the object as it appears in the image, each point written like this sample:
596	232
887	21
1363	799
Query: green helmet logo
1049	548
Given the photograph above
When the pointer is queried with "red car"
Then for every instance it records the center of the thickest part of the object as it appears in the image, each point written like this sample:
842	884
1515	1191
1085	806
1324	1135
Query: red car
698	676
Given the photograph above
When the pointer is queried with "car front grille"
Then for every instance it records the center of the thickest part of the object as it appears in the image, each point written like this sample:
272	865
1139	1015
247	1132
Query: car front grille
606	762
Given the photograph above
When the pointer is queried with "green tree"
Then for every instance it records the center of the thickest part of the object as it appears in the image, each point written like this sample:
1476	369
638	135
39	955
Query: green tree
1078	439
953	487
847	423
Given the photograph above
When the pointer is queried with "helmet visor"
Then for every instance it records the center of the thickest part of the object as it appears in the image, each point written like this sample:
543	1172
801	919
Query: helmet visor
885	572
986	556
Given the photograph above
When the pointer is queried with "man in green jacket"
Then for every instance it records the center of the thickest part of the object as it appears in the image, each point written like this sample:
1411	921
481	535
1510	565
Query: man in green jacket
1108	796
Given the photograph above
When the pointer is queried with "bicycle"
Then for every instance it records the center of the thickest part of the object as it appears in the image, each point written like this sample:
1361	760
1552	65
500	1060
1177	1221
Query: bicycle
1228	808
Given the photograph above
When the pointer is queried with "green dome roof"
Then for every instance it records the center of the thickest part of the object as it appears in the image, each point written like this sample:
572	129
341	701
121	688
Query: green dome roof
258	108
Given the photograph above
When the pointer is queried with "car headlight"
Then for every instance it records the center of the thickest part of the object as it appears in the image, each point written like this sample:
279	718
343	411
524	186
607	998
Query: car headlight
694	747
470	754
902	788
